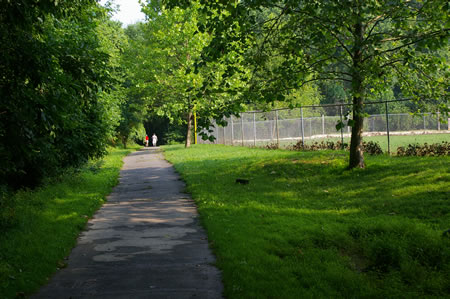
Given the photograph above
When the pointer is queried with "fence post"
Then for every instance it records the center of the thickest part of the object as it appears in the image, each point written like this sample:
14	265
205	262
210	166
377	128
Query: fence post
242	128
271	130
323	124
387	127
225	135
216	133
217	141
303	127
342	129
232	130
254	129
348	127
310	127
276	126
424	126
439	123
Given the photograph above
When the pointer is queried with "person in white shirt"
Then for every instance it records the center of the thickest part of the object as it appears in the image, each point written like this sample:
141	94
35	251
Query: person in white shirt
154	139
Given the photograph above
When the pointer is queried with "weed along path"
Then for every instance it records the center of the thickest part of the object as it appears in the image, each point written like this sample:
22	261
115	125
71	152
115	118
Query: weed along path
145	242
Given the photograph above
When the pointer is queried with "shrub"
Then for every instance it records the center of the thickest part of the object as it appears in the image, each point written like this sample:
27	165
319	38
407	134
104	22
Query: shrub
372	148
315	146
272	146
435	149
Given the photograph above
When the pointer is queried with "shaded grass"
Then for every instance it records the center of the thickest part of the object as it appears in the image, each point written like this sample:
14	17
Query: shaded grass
305	227
44	224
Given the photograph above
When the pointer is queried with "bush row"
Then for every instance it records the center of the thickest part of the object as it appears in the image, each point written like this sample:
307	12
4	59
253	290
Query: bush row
435	149
374	148
370	147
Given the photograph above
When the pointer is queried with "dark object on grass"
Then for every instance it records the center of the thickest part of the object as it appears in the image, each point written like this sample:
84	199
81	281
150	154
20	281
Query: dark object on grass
446	233
242	181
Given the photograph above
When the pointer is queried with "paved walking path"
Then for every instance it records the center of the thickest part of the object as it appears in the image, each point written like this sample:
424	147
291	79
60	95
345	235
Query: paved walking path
145	242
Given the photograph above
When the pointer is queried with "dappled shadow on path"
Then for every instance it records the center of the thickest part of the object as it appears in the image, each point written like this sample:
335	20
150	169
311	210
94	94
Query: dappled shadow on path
148	228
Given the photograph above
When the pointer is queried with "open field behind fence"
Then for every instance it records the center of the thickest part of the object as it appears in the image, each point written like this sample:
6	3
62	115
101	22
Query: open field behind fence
318	123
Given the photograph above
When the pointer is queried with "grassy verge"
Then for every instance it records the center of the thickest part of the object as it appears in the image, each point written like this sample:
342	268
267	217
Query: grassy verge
43	225
305	227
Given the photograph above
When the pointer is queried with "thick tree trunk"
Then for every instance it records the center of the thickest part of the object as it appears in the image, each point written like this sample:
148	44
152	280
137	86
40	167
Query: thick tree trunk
356	147
189	125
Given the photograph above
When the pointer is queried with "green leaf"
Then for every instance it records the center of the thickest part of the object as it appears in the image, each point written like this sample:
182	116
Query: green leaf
340	125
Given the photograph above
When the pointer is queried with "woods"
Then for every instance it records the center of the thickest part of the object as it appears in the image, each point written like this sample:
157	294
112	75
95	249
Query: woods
53	73
73	81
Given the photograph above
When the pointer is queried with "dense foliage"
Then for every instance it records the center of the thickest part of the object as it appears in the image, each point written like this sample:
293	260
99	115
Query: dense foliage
52	72
164	70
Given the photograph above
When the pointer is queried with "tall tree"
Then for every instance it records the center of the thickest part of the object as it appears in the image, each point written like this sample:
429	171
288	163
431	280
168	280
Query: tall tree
363	42
165	66
114	42
52	72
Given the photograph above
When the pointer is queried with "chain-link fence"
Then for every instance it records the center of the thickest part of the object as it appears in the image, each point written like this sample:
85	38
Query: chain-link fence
285	127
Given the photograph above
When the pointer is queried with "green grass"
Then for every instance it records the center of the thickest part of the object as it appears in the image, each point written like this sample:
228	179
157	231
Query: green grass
304	227
395	140
40	227
400	140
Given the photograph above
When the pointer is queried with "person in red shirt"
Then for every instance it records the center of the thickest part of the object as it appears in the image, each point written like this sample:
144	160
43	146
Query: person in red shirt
146	140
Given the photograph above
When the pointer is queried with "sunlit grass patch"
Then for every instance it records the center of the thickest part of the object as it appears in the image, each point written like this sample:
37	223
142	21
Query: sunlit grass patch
305	226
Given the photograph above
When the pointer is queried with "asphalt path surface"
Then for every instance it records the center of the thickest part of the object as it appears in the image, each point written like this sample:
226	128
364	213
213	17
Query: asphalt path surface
145	242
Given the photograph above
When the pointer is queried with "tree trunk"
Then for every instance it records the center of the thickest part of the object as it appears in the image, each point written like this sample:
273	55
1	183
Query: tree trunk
189	125
356	148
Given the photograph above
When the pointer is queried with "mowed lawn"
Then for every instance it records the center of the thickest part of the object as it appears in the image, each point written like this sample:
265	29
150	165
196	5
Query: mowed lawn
404	140
395	141
305	227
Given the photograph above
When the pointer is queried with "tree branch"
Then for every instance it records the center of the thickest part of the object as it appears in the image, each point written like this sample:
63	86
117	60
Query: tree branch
391	63
421	38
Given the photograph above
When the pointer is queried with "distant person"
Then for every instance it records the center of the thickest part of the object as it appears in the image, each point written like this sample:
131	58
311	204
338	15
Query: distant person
154	139
146	140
